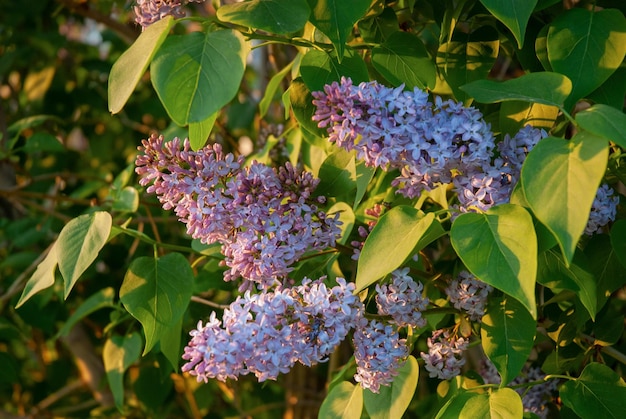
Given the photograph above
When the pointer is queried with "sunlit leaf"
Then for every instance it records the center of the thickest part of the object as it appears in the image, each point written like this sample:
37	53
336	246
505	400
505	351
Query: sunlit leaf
560	179
513	13
277	16
271	88
118	354
604	121
42	278
79	243
319	68
344	401
500	403
500	248
392	401
199	131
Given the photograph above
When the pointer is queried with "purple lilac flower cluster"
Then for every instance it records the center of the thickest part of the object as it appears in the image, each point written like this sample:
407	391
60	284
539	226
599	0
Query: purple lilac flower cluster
603	210
267	333
402	300
265	219
445	354
379	353
469	295
149	11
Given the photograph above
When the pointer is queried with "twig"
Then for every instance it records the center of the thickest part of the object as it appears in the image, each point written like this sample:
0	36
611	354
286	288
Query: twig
208	303
56	396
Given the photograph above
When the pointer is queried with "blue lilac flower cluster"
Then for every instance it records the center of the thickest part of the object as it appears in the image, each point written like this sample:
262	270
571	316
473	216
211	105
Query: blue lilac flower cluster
603	210
402	300
265	219
469	295
149	11
432	143
267	333
445	354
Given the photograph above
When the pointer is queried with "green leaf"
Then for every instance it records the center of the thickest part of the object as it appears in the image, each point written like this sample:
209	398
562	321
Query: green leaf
599	392
392	401
125	199
347	218
587	47
398	235
79	243
555	274
43	142
344	401
545	87
335	18
403	58
302	105
272	87
319	68
276	16
132	64
560	179
612	91
156	292
42	278
337	175
500	248
508	332
513	13
364	175
199	131
464	62
500	403
604	262
618	240
196	74
101	299
515	115
170	343
118	354
604	121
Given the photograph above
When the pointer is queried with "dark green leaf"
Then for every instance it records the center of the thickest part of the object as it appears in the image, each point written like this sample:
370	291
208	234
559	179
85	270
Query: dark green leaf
277	16
337	175
392	401
403	58
612	91
156	292
507	332
609	273
618	240
500	248
514	14
132	64
196	74
101	299
604	121
398	235
319	68
335	18
199	131
118	354
560	179
170	343
547	88
79	243
586	46
599	392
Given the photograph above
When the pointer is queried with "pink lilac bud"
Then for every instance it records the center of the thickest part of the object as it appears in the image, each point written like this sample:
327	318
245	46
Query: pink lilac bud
375	212
379	353
266	334
603	210
265	219
536	398
445	354
402	300
468	294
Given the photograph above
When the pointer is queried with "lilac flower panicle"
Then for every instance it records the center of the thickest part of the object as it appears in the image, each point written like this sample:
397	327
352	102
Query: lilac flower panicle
148	12
379	353
265	219
536	398
445	354
402	300
469	295
603	210
266	334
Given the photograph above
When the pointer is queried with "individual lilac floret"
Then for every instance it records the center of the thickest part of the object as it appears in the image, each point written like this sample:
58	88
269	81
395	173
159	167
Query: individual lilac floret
379	353
266	334
603	210
445	354
402	300
469	295
536	398
265	219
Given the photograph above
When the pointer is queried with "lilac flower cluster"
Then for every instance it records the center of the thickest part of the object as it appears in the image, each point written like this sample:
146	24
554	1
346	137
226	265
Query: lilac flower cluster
394	129
265	219
266	334
149	11
468	294
445	354
379	353
402	300
603	210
